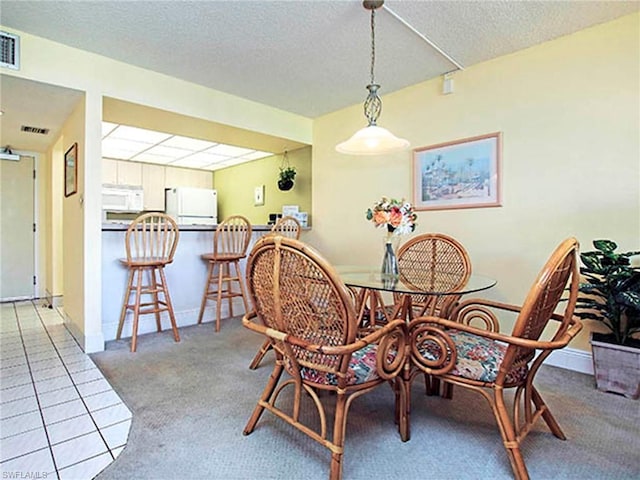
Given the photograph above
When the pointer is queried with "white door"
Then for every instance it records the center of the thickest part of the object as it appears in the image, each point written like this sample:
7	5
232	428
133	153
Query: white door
16	229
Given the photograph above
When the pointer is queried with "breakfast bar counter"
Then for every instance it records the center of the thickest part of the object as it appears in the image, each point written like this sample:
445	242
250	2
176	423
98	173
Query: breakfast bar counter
186	278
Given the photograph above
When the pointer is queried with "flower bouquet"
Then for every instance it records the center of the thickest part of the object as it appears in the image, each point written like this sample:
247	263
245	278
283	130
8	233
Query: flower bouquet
399	219
397	216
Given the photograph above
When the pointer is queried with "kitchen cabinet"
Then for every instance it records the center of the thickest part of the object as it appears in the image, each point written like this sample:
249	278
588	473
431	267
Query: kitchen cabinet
118	172
187	177
153	184
109	171
153	178
129	173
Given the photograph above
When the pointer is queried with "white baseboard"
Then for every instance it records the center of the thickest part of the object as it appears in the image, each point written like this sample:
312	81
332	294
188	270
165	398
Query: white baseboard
184	318
571	359
89	343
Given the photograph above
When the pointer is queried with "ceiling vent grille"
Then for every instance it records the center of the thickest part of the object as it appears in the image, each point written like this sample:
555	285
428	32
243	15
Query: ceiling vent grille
38	130
10	50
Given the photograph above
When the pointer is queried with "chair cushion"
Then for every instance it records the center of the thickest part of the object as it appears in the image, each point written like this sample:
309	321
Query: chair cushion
479	358
362	369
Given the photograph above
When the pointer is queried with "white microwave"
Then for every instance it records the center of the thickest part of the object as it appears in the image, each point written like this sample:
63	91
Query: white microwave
122	198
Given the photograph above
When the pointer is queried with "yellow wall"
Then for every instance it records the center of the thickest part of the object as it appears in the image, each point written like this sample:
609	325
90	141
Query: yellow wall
569	111
52	193
73	226
235	186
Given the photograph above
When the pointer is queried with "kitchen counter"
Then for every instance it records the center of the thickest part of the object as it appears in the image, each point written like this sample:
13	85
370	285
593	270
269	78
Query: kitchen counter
123	225
186	278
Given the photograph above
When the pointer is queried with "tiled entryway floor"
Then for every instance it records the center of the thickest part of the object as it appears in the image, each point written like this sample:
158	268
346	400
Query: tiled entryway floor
59	417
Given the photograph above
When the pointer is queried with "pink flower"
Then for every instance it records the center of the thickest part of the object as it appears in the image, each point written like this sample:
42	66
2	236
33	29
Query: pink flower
395	217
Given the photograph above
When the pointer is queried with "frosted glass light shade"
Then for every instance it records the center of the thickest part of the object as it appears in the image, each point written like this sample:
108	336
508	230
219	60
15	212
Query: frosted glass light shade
372	140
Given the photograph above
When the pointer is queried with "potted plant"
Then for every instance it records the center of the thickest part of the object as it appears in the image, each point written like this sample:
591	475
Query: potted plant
286	177
611	295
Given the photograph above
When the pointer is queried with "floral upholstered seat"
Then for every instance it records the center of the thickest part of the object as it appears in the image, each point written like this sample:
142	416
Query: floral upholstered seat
478	358
362	369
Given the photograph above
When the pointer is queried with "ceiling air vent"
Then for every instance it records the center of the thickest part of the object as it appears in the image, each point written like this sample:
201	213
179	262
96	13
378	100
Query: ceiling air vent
38	130
10	45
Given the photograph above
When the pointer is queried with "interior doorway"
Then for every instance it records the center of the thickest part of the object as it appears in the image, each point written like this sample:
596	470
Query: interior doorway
17	226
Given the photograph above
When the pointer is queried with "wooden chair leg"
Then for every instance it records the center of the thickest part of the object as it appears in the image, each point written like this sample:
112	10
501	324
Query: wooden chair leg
402	391
219	296
136	309
229	288
167	297
266	346
339	429
156	304
266	395
509	438
206	291
546	414
243	289
125	303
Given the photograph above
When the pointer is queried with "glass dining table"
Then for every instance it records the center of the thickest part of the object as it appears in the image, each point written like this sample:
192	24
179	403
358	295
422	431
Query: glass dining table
441	287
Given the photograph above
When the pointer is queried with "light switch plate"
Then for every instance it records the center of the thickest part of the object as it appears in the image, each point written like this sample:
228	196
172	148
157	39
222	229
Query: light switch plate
258	195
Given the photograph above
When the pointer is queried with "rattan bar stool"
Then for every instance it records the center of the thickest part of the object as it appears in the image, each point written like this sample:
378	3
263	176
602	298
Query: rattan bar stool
230	243
151	242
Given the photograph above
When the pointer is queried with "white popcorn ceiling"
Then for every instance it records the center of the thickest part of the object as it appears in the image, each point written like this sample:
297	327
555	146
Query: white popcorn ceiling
306	57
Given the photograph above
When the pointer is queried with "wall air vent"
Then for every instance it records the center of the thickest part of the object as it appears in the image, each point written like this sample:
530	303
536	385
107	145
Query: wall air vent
10	50
38	130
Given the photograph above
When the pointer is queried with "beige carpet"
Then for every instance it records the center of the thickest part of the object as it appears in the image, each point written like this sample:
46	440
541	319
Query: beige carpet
191	400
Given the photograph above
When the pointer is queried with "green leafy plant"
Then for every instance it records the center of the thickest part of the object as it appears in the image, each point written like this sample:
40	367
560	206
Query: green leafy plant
611	293
287	173
285	179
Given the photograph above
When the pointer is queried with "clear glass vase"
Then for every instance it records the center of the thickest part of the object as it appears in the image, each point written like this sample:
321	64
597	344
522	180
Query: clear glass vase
389	262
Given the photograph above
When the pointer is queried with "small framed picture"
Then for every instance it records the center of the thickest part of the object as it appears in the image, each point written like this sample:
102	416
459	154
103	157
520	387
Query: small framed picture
460	174
71	170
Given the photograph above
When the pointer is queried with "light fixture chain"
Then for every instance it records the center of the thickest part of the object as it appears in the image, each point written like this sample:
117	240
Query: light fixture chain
373	43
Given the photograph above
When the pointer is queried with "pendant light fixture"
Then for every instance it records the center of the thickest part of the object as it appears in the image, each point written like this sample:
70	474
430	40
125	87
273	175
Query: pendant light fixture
372	140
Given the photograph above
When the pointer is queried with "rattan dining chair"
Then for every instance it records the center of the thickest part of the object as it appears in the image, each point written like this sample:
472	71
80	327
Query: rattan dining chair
308	315
468	350
287	227
230	242
432	259
150	242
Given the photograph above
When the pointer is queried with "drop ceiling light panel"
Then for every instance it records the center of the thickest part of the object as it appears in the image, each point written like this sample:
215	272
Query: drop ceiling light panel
136	144
187	143
138	134
200	160
107	128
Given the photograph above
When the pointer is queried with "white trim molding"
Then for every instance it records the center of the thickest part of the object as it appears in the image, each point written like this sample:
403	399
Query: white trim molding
571	359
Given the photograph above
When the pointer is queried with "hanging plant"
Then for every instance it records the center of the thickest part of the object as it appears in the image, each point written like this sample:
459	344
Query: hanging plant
287	174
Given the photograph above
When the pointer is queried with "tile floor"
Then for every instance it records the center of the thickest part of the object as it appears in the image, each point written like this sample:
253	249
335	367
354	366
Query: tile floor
59	417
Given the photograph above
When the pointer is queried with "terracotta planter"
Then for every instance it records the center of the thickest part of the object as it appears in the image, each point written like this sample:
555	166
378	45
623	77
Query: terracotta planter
616	367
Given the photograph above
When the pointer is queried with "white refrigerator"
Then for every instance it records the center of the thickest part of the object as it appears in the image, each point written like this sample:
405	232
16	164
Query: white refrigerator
192	206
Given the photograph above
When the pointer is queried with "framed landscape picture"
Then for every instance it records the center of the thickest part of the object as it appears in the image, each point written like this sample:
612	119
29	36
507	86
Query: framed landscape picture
71	170
460	174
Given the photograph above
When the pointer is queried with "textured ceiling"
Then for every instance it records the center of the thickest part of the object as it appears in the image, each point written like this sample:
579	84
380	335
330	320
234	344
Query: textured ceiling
306	57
